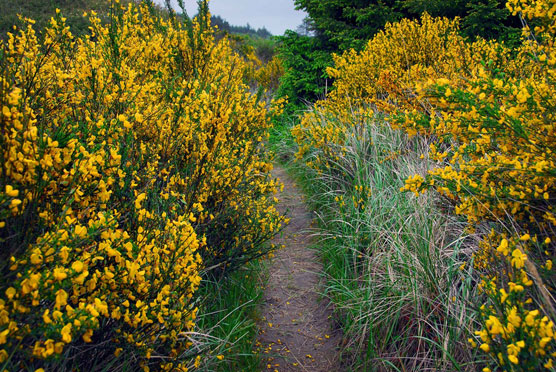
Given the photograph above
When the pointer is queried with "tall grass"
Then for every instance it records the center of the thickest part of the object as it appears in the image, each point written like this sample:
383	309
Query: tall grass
227	324
392	261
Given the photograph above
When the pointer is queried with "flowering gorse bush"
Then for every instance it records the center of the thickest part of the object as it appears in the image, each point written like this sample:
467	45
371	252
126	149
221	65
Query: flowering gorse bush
488	112
269	75
258	73
383	75
132	164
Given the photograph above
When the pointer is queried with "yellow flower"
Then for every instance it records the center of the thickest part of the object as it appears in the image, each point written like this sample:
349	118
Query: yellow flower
518	258
61	299
46	318
494	325
3	336
503	295
220	357
10	191
66	333
530	317
513	318
59	347
80	231
544	341
10	292
77	266
503	247
193	148
87	336
515	287
36	258
60	274
139	200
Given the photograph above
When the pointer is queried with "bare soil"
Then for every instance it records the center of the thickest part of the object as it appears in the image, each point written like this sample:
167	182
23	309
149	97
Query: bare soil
297	332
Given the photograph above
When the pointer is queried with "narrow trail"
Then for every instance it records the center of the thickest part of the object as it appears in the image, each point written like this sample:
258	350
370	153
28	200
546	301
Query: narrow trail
296	325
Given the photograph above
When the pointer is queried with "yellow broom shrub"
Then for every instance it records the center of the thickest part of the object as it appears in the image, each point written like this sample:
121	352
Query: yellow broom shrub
489	113
132	163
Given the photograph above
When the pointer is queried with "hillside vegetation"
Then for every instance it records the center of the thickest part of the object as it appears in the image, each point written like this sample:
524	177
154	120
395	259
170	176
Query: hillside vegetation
41	11
225	26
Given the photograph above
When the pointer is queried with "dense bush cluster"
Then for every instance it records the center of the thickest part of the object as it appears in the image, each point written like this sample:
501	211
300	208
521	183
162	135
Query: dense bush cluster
336	26
132	164
488	113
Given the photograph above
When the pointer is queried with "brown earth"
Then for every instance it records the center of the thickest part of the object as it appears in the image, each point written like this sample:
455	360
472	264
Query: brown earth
296	332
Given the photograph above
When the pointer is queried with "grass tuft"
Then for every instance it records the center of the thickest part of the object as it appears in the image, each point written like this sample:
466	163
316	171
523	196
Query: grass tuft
392	260
229	317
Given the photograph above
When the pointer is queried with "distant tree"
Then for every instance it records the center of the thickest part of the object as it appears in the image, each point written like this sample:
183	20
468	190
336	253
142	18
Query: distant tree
489	19
306	28
225	26
305	62
264	33
350	23
345	24
492	20
437	8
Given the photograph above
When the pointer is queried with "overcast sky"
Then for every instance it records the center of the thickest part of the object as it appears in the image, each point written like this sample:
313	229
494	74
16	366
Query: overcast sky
276	15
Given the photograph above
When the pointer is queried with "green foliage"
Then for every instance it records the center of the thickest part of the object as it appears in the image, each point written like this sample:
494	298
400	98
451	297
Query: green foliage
246	40
265	49
305	61
349	24
489	19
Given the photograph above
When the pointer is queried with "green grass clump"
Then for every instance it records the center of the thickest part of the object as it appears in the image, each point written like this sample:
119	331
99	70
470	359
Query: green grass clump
227	326
392	261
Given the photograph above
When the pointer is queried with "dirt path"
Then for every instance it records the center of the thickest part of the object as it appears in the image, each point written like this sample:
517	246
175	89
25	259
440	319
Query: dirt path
296	327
